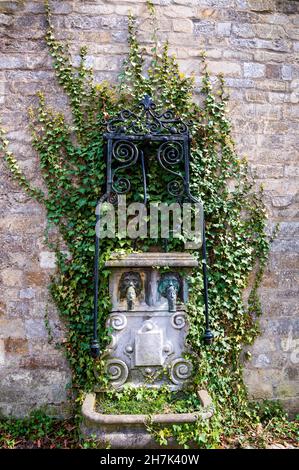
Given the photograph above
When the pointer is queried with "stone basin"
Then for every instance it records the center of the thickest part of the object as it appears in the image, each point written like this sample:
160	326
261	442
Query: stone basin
121	431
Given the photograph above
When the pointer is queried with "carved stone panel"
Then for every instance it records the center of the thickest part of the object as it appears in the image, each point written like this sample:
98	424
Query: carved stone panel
148	345
148	320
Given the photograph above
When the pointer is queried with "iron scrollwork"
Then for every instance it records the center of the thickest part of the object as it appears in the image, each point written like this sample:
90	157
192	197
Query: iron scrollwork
170	155
144	119
125	153
127	135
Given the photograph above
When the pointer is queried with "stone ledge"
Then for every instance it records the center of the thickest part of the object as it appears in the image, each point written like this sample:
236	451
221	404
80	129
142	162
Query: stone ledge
140	260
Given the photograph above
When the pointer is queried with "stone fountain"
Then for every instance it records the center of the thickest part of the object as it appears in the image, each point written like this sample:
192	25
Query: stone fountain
149	325
148	320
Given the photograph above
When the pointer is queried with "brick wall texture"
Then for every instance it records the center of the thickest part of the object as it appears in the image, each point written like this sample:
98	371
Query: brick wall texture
255	43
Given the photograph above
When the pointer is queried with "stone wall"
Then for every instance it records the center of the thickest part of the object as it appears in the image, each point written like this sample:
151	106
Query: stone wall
254	43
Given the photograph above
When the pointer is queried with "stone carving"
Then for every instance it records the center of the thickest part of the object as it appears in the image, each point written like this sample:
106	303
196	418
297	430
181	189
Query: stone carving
118	321
149	345
180	370
130	287
178	320
150	373
148	320
111	346
171	293
169	287
117	371
131	296
168	348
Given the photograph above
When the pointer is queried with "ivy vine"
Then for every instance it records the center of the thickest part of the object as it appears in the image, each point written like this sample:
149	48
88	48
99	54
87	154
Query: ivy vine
73	170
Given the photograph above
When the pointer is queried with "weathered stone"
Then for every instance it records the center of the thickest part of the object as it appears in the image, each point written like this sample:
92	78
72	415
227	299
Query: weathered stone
273	71
12	277
263	6
287	72
47	260
257	37
16	346
267	171
36	386
203	28
2	352
269	31
232	69
185	26
82	8
260	386
2	308
129	431
255	96
243	30
35	328
254	70
9	6
223	29
28	293
12	328
36	279
107	64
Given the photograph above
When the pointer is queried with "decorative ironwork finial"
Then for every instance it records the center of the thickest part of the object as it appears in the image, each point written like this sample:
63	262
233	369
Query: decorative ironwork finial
146	102
143	119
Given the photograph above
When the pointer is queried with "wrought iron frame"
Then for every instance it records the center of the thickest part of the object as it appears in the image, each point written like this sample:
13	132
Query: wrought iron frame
125	134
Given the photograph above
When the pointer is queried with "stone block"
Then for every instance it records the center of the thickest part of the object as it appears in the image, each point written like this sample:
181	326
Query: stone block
47	260
254	70
107	64
13	328
260	382
291	171
178	11
254	96
2	352
239	82
262	6
36	386
292	373
236	54
36	278
223	29
287	72
273	71
203	28
182	25
89	9
12	277
9	7
27	293
16	346
232	69
288	231
61	8
54	362
267	31
2	308
20	225
243	30
287	389
35	328
267	171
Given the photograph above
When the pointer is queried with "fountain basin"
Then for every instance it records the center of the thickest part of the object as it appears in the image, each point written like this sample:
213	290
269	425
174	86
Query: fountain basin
129	431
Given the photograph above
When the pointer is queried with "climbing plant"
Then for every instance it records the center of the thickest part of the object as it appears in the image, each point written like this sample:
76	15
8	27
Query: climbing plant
73	171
